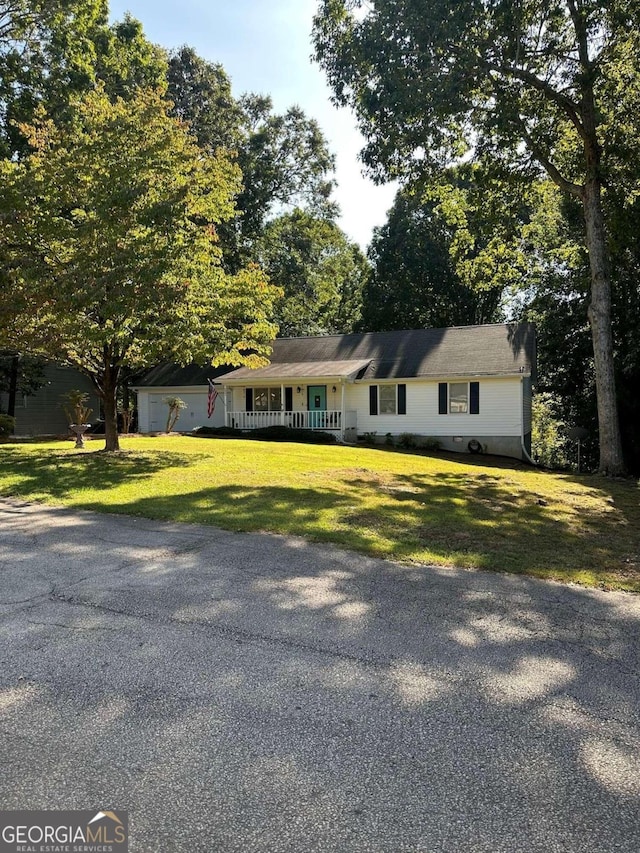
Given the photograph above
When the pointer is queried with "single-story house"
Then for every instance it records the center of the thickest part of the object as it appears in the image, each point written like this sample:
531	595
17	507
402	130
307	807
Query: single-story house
468	387
42	413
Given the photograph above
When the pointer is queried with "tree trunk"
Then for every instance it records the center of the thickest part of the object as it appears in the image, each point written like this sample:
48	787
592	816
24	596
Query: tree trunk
13	385
611	461
109	389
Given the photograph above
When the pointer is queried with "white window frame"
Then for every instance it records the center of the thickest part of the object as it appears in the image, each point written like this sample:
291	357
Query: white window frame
274	392
467	402
395	398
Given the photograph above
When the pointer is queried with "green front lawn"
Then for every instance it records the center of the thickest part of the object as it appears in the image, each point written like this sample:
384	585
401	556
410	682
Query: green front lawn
440	510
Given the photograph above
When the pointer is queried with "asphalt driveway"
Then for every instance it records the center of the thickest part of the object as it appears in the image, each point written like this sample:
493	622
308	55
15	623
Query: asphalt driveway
257	693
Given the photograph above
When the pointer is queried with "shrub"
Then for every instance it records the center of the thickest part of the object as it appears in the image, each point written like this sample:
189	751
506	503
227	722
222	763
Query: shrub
175	407
7	424
408	440
431	443
549	443
285	433
75	406
205	431
270	433
369	437
126	415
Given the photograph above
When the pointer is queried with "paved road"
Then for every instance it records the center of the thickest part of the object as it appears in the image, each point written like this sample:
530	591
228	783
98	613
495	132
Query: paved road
256	693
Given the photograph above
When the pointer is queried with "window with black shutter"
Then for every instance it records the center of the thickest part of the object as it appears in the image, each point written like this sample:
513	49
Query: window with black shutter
388	399
459	398
443	395
373	399
402	399
474	398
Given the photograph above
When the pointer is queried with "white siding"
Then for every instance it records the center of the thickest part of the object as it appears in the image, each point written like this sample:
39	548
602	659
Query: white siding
498	425
526	404
500	410
153	411
142	405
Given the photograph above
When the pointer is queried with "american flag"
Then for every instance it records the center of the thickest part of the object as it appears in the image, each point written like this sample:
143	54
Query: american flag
211	399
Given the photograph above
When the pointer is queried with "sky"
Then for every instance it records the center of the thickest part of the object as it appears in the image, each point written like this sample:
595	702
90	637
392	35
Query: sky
265	47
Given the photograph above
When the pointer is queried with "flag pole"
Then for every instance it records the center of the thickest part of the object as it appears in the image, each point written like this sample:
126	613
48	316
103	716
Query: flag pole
224	400
211	398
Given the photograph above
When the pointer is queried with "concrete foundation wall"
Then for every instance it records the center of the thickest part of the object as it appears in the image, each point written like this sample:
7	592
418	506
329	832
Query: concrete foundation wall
497	445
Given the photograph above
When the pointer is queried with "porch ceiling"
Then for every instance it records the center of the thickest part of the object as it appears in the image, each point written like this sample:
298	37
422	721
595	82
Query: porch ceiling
297	371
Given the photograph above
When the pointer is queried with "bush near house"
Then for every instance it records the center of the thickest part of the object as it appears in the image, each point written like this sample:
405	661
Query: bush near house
408	440
7	424
216	432
270	433
549	433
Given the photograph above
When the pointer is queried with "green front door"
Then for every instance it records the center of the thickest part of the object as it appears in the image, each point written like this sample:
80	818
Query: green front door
317	405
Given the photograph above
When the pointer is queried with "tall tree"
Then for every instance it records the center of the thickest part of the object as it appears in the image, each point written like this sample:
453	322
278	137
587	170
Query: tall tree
284	158
110	230
53	52
47	56
320	271
285	163
415	281
50	54
200	92
126	61
555	299
429	81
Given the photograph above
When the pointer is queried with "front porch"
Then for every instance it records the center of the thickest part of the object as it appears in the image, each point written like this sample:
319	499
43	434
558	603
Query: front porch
342	424
310	395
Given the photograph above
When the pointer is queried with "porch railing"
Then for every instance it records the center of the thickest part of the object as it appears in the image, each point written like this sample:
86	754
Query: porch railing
315	419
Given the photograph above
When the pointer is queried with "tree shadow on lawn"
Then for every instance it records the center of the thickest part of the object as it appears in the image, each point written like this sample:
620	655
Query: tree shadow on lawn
455	517
447	520
588	530
65	472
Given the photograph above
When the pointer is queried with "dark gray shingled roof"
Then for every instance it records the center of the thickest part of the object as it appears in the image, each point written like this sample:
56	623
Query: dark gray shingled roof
495	350
492	350
172	375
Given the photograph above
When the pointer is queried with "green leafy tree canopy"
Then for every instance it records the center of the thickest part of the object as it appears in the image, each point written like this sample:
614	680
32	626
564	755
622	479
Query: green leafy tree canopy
425	261
110	230
47	56
319	270
284	158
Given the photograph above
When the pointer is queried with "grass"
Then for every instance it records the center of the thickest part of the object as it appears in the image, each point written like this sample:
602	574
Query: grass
469	512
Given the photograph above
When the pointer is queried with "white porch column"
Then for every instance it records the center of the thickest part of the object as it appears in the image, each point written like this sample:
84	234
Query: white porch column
224	400
343	413
282	405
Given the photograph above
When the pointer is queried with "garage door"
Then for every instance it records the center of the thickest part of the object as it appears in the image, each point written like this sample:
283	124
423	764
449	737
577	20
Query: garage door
193	416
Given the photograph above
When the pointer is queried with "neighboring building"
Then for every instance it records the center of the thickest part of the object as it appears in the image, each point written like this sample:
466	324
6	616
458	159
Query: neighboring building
42	413
468	387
